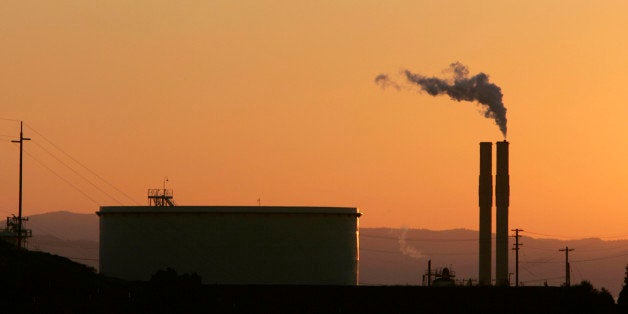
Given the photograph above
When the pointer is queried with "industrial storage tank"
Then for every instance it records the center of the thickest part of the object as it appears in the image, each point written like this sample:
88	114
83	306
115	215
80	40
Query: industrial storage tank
232	244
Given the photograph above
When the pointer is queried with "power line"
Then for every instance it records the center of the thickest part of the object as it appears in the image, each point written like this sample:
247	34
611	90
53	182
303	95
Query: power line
448	254
557	237
544	279
83	259
425	253
537	278
379	251
539	262
7	119
578	270
39	249
621	235
419	239
601	258
77	173
540	248
574	261
81	164
68	243
62	178
529	271
615	248
546	261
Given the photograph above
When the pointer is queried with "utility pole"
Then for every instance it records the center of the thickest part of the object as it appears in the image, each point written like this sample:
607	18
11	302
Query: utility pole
429	273
567	268
516	248
19	219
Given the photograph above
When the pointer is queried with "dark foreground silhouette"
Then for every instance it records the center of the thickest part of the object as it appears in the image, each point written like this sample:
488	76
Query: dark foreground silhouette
34	282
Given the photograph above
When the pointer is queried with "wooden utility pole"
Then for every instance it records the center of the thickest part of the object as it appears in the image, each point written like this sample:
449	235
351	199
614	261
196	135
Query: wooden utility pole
567	268
19	218
516	248
429	273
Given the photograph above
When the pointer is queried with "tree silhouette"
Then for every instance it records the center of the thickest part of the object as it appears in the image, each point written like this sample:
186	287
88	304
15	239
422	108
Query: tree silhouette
623	295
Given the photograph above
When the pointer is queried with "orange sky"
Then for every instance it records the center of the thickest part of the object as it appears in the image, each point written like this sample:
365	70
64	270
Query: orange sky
235	100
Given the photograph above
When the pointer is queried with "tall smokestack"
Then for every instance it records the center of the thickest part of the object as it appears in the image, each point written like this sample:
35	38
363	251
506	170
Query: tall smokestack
502	200
485	196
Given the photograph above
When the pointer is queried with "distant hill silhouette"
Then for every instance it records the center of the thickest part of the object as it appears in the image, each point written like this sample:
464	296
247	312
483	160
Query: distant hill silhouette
66	225
382	261
67	234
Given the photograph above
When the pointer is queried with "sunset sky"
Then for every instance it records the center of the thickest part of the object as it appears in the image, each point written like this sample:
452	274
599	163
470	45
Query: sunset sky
239	100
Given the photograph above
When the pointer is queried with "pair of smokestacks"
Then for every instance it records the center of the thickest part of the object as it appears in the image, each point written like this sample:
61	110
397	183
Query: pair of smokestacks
502	196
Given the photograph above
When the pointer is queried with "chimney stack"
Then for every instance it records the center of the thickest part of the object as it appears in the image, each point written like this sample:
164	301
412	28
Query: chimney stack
485	196
502	200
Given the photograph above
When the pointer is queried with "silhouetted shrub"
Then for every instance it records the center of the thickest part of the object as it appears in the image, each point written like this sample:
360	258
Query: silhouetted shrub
169	277
583	297
622	301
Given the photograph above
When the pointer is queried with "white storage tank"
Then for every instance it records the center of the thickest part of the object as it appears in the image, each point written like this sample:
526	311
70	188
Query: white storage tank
232	244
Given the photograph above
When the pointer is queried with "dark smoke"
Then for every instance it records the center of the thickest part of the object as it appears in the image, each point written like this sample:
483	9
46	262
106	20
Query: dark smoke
384	81
475	88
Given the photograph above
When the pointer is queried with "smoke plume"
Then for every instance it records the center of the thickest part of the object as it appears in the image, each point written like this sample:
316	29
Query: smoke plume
460	87
384	81
405	248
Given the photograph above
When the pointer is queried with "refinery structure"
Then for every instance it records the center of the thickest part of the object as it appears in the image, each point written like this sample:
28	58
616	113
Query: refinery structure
267	244
275	244
231	244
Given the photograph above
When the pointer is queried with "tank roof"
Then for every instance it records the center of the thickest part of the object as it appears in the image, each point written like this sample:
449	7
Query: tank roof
229	210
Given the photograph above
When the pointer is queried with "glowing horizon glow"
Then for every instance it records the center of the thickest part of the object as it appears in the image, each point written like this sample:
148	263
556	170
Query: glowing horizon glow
275	100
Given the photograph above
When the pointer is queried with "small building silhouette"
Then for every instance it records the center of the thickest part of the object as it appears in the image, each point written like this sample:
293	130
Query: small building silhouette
445	279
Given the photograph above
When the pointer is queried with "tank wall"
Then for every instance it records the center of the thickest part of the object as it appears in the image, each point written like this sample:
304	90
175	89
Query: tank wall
232	248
